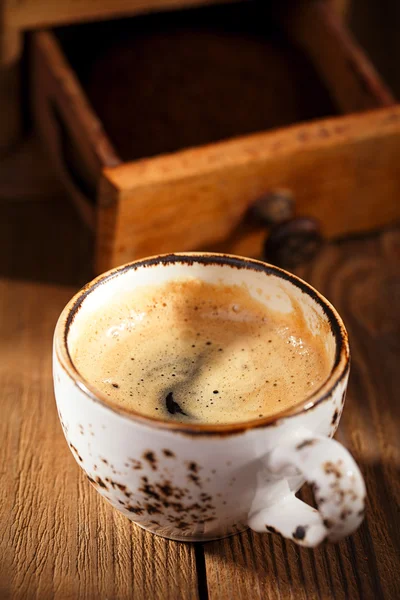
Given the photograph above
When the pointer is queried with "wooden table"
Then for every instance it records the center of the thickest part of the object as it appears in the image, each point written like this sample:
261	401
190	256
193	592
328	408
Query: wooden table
60	540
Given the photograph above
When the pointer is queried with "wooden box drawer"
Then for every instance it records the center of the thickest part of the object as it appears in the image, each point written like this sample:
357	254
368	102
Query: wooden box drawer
341	169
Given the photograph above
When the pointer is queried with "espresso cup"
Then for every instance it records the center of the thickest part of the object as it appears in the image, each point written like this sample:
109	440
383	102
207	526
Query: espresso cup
197	482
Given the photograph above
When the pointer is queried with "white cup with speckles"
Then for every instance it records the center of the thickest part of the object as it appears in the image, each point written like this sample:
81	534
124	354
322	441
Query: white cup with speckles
193	482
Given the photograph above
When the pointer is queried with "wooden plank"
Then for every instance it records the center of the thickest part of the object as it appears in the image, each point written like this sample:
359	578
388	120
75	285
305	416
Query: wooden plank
198	197
361	277
65	90
77	145
59	539
376	31
10	85
38	13
343	65
28	14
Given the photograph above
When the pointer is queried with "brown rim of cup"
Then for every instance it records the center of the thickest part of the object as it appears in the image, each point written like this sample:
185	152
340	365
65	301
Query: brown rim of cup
337	375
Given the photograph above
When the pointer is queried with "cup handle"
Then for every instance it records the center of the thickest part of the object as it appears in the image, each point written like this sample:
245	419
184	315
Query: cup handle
338	486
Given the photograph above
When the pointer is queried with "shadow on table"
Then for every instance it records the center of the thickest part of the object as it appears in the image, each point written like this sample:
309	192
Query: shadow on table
45	241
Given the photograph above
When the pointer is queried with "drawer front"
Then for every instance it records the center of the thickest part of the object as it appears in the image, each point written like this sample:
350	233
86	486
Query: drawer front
342	171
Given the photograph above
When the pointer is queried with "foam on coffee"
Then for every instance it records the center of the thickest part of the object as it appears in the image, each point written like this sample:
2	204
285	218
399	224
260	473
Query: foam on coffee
197	352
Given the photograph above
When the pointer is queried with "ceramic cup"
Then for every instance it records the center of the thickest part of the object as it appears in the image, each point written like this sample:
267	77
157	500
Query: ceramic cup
193	482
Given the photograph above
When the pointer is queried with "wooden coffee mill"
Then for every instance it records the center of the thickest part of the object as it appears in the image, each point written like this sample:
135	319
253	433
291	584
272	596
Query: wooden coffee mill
338	158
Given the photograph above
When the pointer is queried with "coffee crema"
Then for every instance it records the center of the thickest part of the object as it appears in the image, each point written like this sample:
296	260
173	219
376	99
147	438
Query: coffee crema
203	353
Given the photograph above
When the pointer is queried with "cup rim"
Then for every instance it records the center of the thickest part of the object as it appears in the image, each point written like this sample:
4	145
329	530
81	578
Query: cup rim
337	374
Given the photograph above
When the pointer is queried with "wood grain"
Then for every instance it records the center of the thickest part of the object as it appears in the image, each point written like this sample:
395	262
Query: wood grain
342	64
198	198
26	14
362	278
375	26
10	85
73	135
59	539
37	13
342	171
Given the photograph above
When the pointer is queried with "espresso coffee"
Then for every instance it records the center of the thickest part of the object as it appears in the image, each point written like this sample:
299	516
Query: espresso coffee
197	352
